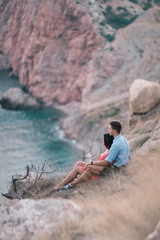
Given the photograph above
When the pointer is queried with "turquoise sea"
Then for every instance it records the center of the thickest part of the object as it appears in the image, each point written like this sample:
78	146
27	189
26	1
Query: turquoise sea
30	137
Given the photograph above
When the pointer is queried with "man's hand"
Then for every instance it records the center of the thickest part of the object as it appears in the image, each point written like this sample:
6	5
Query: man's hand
87	165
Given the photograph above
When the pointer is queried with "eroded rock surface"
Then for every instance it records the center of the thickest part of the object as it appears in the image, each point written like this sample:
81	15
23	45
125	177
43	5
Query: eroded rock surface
153	142
64	50
155	235
4	64
25	219
50	46
67	51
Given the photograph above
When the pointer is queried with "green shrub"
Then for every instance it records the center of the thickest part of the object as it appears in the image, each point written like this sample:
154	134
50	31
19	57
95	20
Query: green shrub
109	37
103	23
111	49
147	5
157	2
110	113
134	1
108	9
90	125
122	8
141	51
118	20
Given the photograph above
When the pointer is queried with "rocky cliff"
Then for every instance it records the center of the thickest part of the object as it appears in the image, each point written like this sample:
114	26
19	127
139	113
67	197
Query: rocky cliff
49	45
82	54
135	53
63	50
27	218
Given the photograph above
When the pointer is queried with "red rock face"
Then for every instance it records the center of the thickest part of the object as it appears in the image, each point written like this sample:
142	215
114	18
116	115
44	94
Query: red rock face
50	45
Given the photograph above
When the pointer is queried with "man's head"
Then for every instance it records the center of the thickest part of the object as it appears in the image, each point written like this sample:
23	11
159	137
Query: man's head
114	128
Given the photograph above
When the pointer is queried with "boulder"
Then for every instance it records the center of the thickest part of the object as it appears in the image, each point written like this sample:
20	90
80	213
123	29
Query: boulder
15	98
28	219
143	96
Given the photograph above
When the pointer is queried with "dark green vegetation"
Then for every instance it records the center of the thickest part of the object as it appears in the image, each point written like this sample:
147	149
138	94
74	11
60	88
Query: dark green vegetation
134	1
118	20
147	5
99	117
110	113
108	37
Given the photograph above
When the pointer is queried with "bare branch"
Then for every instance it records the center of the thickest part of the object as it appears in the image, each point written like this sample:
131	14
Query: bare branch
18	179
38	177
14	180
42	172
7	195
51	171
18	188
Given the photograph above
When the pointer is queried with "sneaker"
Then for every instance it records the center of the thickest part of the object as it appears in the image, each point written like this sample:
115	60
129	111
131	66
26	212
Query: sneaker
68	186
77	177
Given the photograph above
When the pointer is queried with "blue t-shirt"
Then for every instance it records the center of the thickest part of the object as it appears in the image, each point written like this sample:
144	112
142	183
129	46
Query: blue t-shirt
119	152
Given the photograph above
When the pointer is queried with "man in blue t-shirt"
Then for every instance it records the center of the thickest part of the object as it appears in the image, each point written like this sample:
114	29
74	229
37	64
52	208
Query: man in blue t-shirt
119	154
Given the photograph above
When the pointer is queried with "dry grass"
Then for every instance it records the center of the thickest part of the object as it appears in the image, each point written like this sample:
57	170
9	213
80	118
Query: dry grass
133	212
123	207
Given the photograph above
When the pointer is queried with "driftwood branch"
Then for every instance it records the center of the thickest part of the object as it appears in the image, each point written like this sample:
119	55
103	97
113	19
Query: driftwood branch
40	175
24	177
14	180
18	187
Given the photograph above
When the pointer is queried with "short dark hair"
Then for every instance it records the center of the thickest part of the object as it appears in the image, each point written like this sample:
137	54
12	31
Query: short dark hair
108	140
116	125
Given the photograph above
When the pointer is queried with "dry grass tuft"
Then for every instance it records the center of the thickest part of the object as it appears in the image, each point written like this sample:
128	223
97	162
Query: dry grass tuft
125	206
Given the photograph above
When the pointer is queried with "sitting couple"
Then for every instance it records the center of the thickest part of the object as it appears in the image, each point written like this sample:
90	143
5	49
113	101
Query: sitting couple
117	154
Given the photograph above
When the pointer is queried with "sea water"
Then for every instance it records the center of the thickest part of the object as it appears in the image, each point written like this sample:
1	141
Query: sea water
31	137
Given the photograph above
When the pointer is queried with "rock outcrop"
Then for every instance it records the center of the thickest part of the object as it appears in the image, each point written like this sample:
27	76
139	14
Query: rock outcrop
155	235
15	98
136	142
136	50
25	219
67	51
153	142
50	47
4	64
143	96
63	50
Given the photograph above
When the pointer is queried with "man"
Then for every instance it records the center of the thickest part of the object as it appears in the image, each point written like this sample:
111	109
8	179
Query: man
119	154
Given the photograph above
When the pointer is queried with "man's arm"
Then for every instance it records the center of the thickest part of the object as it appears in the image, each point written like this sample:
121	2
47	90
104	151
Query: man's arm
112	153
102	163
